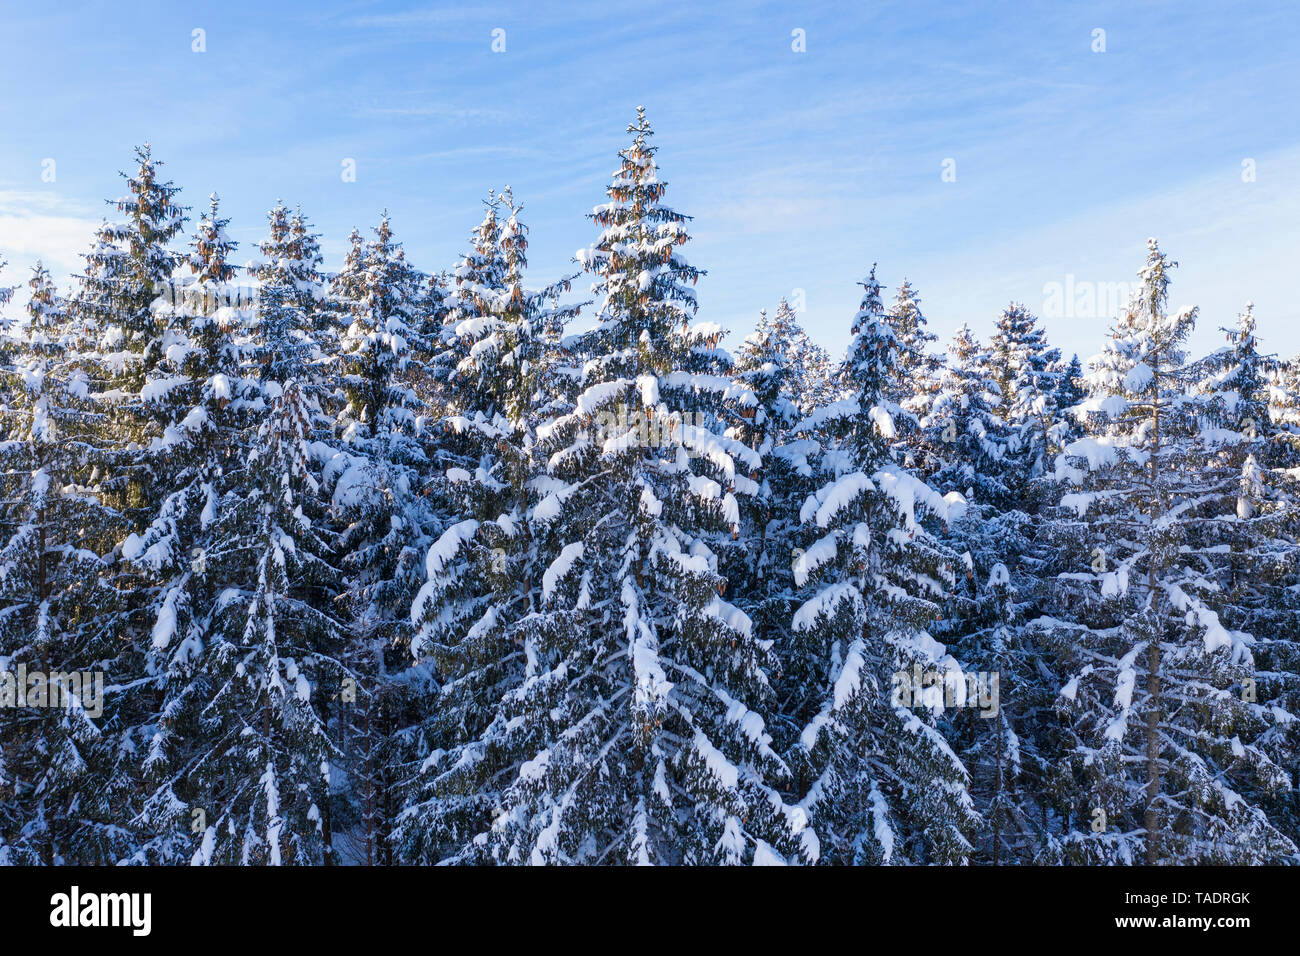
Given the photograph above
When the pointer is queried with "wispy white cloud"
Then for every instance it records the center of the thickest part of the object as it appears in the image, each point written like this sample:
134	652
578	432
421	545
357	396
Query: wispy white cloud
47	226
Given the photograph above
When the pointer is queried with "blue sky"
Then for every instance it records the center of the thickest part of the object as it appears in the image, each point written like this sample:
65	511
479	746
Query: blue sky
800	168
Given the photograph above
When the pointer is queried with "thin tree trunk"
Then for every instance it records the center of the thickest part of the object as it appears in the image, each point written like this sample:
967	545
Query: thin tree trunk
42	594
997	808
370	788
1151	820
327	833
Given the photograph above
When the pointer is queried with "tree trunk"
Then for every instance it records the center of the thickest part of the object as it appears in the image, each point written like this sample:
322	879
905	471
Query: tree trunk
1151	819
997	795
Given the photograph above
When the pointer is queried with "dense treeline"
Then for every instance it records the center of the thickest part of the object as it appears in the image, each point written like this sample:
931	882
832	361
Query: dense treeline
391	566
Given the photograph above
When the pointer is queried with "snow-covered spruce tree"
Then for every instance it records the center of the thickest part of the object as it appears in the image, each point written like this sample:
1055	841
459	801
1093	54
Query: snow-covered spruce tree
10	814
1284	410
295	338
128	267
473	566
704	386
376	295
1164	752
61	787
912	334
975	455
1009	746
290	257
1233	386
6	296
880	781
764	575
199	400
1284	407
297	331
293	314
1069	392
1284	416
376	479
765	365
970	442
1253	547
1031	377
917	383
478	282
478	606
263	763
11	342
108	339
640	680
238	762
431	362
808	364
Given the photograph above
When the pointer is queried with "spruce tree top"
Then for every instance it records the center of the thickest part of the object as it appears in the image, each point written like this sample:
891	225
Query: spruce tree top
645	283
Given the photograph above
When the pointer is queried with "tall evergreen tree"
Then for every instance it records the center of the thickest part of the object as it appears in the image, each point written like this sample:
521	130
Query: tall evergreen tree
979	454
766	366
919	367
971	442
263	762
376	479
479	603
200	400
1253	549
61	786
1164	751
880	780
1031	377
128	267
641	682
808	364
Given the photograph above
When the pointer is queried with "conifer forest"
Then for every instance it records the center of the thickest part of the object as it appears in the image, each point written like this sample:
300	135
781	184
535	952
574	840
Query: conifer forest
418	563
